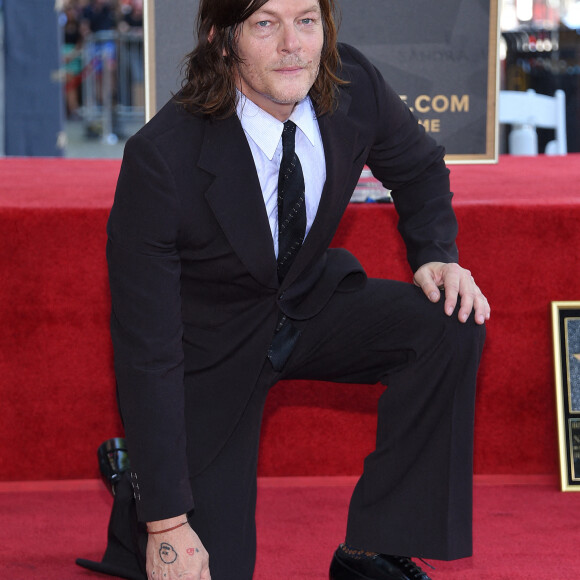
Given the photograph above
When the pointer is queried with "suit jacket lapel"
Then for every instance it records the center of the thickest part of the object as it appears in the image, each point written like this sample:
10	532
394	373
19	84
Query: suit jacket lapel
236	198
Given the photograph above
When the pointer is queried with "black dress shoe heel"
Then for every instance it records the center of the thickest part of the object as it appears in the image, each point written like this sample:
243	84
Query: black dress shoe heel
125	554
113	461
345	566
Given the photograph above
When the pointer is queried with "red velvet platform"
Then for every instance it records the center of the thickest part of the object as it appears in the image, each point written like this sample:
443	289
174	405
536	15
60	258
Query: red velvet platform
519	234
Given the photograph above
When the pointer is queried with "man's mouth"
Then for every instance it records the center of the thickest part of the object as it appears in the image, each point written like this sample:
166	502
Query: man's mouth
289	69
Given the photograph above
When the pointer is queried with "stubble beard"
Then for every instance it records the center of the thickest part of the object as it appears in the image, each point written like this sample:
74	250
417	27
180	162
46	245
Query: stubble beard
312	69
277	93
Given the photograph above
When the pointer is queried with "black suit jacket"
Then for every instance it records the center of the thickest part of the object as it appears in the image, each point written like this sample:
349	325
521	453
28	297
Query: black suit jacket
193	273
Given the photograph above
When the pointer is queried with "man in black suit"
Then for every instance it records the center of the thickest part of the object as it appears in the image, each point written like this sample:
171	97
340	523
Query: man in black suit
214	300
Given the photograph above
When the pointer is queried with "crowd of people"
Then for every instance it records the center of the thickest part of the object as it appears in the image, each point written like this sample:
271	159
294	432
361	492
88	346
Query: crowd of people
81	19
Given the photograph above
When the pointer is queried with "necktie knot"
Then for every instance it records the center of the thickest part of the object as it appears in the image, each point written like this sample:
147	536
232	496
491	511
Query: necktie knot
288	138
288	132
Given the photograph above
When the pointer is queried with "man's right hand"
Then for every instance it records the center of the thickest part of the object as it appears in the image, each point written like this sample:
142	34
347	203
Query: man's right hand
177	554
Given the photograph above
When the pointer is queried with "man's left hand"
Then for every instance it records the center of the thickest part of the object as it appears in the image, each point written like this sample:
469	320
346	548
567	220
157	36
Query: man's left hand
458	283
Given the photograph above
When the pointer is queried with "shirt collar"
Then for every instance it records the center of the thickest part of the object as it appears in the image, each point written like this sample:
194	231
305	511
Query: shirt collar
266	130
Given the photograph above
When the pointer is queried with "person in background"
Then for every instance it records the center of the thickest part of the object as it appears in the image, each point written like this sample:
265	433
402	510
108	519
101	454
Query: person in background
72	58
131	27
131	15
100	15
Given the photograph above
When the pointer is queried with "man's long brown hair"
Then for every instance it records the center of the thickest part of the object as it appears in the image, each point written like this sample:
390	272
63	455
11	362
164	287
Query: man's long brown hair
209	80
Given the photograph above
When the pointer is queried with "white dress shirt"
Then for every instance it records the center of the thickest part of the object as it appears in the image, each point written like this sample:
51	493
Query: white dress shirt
264	134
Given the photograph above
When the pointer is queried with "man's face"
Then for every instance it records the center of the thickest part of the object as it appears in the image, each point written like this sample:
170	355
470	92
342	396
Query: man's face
280	46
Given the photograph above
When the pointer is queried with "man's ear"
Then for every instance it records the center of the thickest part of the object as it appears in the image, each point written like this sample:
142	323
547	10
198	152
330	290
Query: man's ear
210	38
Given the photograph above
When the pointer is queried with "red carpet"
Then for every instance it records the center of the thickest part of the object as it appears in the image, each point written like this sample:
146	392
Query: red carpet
519	233
528	531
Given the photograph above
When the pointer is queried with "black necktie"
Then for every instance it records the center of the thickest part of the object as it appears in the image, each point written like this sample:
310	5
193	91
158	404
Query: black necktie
291	231
291	206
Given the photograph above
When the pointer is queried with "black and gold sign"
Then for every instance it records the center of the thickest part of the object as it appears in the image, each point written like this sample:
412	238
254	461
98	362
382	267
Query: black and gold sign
441	57
566	334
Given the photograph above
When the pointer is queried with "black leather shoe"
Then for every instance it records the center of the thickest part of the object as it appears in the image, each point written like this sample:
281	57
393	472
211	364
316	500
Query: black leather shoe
373	567
113	461
124	556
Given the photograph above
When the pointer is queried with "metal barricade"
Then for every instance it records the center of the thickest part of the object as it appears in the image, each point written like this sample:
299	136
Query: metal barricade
131	75
113	91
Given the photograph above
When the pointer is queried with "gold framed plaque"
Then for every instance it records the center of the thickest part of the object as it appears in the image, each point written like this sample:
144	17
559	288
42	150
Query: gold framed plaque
566	336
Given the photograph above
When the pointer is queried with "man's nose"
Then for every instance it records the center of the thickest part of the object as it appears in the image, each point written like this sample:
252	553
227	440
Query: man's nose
289	39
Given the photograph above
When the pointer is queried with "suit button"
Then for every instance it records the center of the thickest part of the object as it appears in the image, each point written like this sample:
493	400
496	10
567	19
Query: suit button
281	297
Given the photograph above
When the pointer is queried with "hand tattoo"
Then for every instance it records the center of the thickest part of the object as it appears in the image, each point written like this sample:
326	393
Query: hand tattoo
192	551
167	554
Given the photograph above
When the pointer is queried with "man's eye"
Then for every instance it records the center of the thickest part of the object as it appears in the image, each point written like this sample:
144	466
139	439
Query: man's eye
263	23
307	21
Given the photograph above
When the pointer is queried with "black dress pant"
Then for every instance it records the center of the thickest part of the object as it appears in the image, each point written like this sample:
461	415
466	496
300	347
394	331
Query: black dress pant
414	497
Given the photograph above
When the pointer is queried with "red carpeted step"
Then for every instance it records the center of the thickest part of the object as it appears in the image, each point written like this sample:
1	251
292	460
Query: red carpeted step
518	233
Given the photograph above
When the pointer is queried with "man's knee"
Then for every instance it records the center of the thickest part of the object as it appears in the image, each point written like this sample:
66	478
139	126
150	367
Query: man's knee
467	337
458	337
